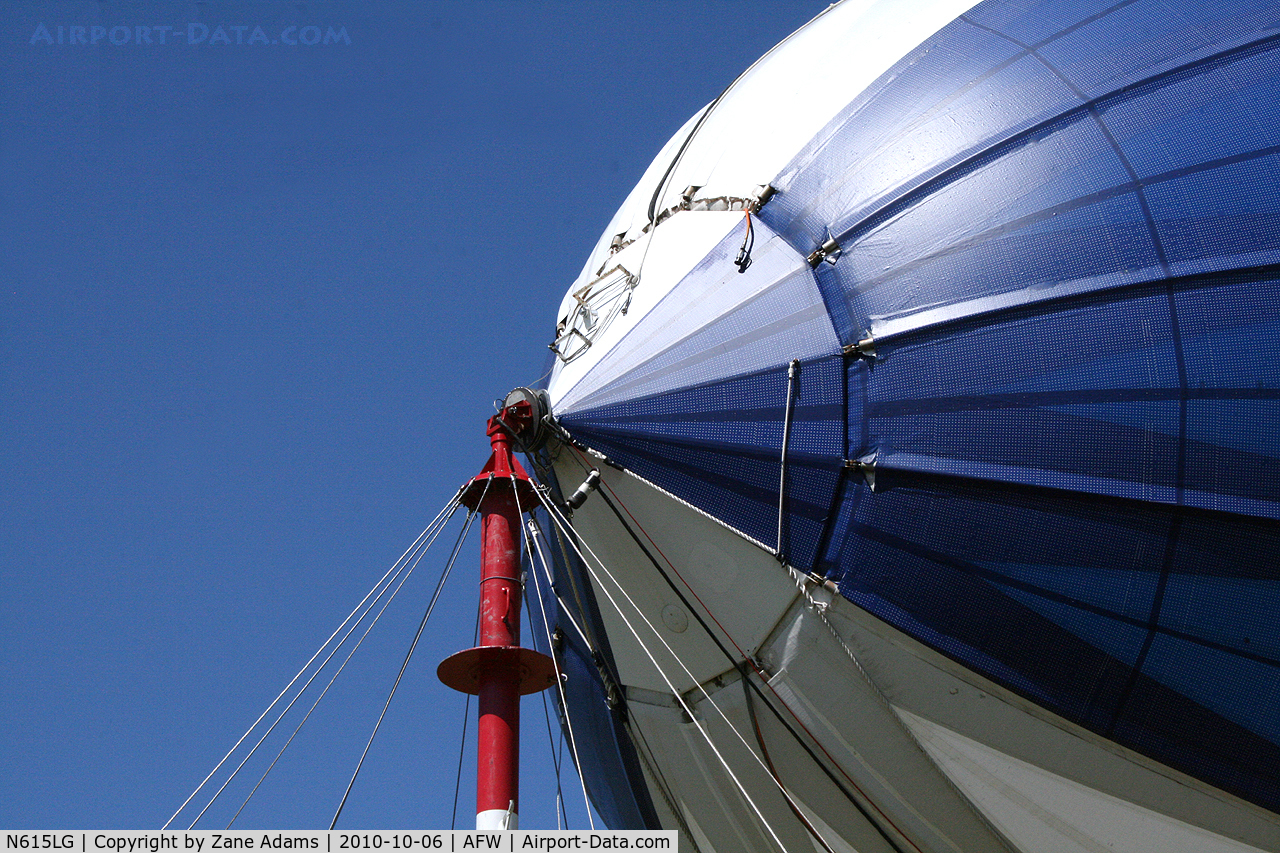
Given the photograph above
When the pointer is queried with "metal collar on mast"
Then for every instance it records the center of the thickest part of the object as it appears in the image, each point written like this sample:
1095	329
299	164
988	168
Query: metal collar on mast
498	670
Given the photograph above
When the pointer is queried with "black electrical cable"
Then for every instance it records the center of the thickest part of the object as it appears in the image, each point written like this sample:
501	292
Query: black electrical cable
745	674
743	260
657	192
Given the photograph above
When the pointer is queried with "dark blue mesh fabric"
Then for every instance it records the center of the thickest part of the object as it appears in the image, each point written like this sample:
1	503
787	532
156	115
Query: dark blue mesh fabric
1081	604
1106	417
610	768
981	173
718	447
1061	223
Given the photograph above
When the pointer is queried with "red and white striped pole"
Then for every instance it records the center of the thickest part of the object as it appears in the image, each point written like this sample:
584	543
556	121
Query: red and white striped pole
498	670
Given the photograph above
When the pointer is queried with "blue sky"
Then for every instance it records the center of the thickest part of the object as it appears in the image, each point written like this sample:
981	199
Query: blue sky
255	303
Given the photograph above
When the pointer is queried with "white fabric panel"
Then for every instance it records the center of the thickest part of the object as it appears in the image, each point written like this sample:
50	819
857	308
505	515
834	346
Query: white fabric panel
780	104
790	95
665	255
777	289
635	207
1040	810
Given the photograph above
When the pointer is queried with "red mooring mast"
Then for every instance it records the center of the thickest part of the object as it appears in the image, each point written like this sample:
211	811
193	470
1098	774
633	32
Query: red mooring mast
498	670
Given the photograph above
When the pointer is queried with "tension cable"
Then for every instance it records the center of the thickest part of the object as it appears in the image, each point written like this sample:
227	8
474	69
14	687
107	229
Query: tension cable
379	589
435	597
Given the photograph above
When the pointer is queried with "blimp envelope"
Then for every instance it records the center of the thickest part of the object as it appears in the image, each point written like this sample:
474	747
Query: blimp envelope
1034	422
1010	326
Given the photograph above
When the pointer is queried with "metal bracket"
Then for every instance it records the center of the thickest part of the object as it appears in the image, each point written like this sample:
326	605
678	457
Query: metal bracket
865	348
554	346
589	485
828	251
761	196
866	466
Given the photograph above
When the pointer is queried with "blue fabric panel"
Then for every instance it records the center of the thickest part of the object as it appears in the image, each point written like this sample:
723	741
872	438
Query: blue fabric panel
1040	185
1229	335
786	321
716	323
935	563
1202	737
919	120
718	447
1028	242
1060	222
1102	48
858	401
609	765
1091	402
1096	626
1210	676
614	795
1060	415
1202	143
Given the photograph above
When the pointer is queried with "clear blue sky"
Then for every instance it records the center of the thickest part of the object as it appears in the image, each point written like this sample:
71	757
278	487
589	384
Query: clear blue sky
256	302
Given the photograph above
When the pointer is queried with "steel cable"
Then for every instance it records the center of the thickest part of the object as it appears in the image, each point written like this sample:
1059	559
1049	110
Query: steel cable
395	568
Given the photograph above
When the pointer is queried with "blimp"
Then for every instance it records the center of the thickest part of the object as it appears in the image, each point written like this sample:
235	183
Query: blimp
907	470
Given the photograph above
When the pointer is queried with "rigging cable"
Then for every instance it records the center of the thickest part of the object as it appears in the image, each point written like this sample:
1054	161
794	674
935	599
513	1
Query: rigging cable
679	697
531	546
546	711
565	528
422	625
462	747
559	762
636	732
605	491
644	753
395	569
405	577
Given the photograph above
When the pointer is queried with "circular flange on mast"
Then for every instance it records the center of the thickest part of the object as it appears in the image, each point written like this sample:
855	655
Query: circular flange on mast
499	670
